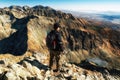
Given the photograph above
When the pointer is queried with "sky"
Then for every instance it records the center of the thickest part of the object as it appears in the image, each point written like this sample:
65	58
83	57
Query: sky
73	5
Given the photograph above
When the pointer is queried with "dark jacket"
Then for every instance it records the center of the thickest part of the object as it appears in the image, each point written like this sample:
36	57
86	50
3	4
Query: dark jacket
59	43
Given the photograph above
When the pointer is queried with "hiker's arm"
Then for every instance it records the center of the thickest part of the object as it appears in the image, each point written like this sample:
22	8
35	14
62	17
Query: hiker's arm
60	42
59	39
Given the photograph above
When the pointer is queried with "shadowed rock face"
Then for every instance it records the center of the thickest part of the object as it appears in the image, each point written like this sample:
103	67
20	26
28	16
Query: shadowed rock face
16	43
23	30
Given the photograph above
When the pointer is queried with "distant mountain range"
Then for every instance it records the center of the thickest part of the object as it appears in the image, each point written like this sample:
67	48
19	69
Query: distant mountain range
113	17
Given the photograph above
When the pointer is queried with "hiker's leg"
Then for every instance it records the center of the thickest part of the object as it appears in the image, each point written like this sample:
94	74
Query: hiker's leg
57	60
51	59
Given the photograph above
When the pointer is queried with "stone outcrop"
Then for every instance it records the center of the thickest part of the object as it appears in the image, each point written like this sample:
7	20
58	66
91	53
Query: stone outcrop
36	68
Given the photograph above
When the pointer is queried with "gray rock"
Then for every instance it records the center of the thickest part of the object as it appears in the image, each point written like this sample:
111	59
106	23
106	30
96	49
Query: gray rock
98	62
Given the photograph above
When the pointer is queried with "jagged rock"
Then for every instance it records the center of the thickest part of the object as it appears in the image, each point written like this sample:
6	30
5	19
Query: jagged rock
2	62
3	69
33	70
81	77
40	57
26	8
17	71
26	70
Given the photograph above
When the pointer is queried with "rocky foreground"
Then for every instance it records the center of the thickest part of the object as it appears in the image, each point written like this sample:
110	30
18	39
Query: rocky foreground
35	67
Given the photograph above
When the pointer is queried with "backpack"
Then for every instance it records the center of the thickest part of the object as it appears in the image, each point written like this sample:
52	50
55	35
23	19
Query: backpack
51	40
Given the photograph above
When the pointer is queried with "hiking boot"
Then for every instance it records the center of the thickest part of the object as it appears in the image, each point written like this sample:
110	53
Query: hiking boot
62	71
56	70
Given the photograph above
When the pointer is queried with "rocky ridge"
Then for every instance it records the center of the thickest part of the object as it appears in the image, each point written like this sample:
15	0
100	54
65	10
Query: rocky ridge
35	67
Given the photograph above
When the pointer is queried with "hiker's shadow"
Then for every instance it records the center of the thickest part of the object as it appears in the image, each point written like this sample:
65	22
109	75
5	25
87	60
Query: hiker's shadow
16	43
35	63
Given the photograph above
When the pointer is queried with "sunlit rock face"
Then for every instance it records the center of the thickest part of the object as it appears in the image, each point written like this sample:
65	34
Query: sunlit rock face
22	45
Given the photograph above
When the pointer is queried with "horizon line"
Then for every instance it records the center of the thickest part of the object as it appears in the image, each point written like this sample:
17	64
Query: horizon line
87	11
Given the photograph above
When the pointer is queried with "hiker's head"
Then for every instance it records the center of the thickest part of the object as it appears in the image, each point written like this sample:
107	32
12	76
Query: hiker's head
57	26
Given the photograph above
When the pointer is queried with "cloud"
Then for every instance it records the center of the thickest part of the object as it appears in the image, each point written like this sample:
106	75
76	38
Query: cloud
89	7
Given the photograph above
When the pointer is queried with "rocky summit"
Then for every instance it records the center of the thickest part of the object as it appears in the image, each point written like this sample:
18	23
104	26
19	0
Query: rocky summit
92	50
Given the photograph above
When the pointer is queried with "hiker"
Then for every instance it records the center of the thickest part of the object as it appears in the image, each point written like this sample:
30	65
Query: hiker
55	45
